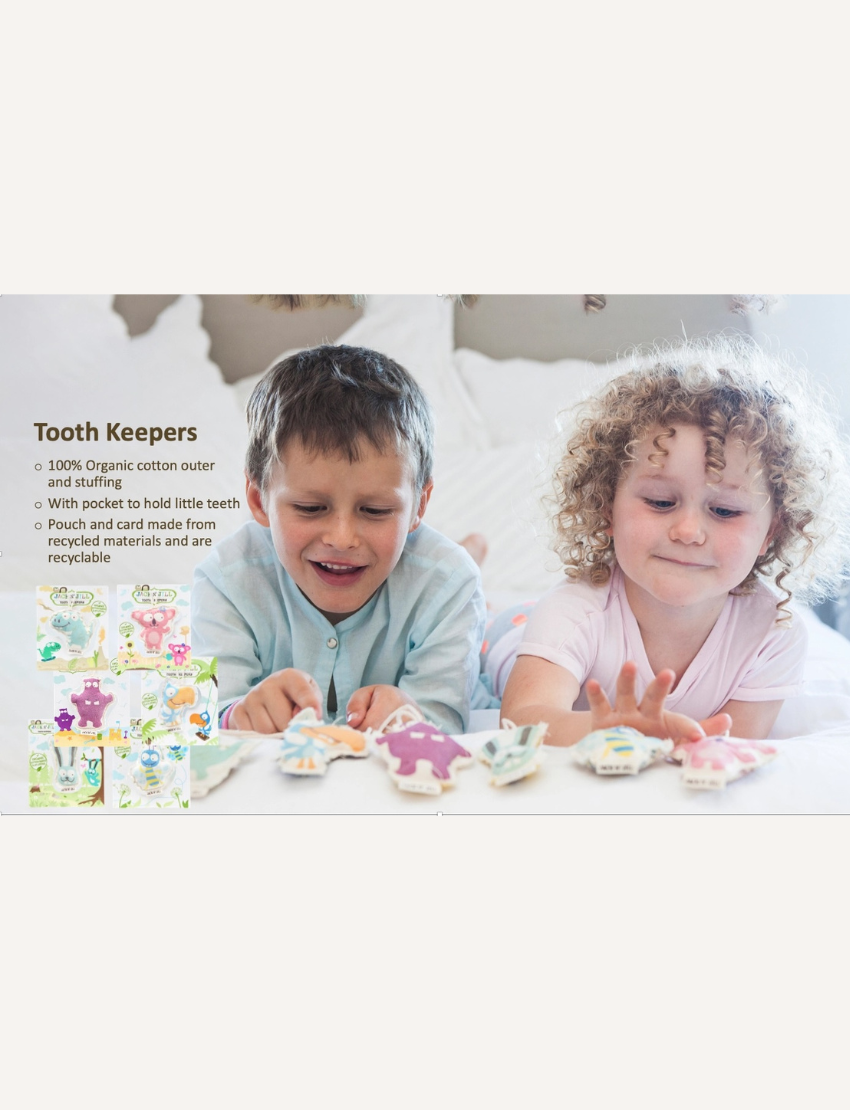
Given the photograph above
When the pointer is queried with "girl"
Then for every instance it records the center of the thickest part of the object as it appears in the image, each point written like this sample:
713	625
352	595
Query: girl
706	470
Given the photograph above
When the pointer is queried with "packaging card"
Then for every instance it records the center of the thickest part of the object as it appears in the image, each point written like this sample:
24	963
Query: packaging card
181	701
151	776
62	777
153	627
90	708
71	628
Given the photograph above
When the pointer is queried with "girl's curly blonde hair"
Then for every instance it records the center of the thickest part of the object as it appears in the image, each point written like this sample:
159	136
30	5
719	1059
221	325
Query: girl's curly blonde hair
732	389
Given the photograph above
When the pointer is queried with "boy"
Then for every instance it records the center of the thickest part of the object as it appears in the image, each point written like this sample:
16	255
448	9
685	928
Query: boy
337	596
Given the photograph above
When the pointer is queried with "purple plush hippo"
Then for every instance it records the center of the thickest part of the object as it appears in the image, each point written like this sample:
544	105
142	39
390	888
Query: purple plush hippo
423	741
91	704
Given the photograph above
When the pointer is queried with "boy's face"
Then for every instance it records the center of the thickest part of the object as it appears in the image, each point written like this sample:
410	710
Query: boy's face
679	539
339	527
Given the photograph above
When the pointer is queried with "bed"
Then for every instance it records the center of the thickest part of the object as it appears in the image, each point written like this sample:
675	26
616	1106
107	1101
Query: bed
79	363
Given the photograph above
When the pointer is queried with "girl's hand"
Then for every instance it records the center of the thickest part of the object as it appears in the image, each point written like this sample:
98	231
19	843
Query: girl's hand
649	717
272	704
370	706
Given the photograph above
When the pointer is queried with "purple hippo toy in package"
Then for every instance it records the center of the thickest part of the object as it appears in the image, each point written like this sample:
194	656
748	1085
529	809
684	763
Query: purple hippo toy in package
90	708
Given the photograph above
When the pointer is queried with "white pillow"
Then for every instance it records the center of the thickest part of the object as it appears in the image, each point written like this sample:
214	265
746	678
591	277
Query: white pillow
498	492
69	360
519	398
418	333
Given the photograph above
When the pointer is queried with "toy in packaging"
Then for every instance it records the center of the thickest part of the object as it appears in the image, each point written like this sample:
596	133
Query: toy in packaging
90	709
153	627
714	761
308	744
513	753
149	775
181	700
619	751
71	628
62	776
420	758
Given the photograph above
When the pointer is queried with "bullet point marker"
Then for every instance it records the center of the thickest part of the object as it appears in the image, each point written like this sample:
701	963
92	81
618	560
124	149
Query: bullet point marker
38	504
38	466
38	525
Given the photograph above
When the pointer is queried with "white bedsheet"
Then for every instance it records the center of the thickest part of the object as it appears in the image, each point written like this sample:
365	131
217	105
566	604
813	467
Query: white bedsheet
810	775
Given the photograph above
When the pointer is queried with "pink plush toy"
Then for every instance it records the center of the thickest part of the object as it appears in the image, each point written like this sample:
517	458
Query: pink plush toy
714	761
156	624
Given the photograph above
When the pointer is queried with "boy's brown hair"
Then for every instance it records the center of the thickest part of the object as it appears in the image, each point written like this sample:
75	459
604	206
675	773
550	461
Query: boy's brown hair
330	398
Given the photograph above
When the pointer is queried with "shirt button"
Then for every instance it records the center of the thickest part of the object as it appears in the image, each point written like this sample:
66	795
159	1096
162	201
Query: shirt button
332	642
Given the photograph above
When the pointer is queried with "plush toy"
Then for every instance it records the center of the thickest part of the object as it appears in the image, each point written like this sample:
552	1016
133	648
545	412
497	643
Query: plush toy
152	775
66	774
714	761
211	765
420	758
309	745
619	750
91	703
155	624
513	753
72	626
175	700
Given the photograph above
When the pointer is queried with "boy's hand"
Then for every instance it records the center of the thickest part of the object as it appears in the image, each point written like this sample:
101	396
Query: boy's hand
272	704
370	706
649	717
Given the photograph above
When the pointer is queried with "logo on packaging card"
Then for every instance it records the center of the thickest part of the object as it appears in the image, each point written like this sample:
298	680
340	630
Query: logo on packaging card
146	595
61	595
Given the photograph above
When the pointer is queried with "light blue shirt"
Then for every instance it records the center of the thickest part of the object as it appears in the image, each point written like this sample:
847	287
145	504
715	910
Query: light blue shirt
421	631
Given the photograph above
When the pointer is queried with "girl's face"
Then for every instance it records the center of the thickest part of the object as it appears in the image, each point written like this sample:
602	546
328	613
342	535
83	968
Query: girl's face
681	540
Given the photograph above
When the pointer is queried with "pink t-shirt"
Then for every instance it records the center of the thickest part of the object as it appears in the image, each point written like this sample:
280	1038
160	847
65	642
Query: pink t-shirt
592	632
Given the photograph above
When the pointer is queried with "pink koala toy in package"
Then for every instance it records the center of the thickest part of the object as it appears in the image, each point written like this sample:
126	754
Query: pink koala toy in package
156	624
